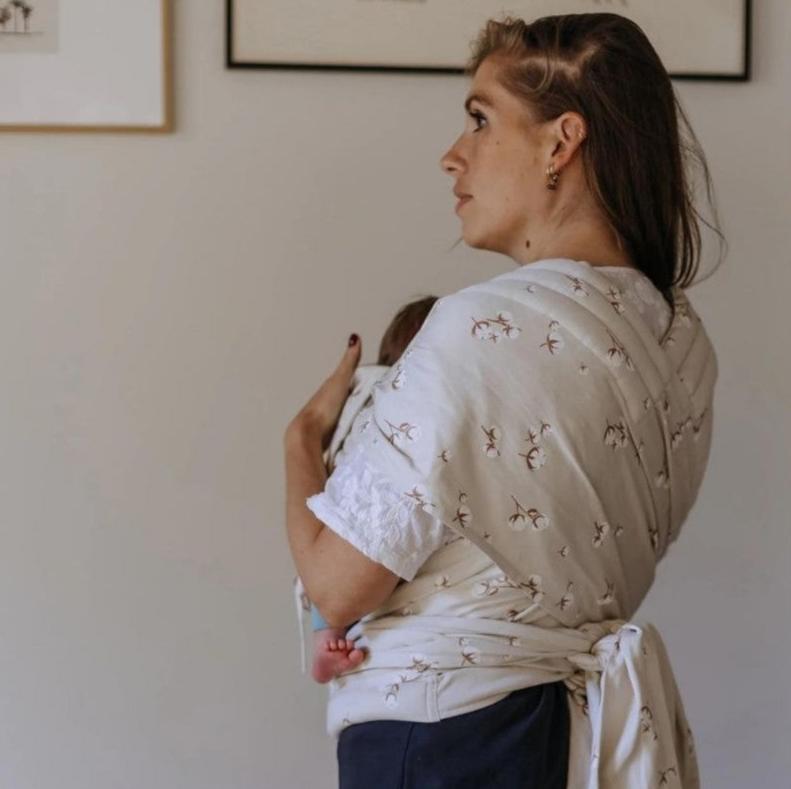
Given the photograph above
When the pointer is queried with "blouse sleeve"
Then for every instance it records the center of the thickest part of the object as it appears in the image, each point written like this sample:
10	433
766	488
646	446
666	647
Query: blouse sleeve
360	506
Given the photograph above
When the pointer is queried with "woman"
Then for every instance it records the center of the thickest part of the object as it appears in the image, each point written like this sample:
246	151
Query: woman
503	502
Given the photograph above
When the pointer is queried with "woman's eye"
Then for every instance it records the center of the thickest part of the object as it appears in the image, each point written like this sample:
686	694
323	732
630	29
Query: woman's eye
478	117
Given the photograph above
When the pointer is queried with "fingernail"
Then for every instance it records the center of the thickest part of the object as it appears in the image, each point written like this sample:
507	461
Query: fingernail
353	340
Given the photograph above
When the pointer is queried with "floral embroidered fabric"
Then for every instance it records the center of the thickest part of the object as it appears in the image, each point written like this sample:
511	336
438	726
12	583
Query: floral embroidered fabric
361	506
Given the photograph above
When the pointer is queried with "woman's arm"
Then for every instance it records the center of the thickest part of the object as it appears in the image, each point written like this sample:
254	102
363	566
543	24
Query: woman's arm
340	580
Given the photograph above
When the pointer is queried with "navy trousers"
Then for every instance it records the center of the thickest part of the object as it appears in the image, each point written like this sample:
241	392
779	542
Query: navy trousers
520	742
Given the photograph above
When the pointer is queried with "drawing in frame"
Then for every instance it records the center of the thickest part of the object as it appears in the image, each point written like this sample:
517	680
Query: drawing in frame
696	39
85	65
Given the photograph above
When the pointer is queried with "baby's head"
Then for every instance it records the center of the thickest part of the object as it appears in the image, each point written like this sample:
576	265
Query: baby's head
403	328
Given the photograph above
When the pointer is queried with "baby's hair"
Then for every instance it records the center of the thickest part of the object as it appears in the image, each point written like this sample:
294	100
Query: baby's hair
403	328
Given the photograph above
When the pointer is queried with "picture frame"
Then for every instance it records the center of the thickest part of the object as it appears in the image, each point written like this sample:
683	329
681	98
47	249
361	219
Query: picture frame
433	36
86	66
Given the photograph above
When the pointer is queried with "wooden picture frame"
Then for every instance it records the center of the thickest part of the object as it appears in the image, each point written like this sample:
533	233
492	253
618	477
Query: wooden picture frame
120	80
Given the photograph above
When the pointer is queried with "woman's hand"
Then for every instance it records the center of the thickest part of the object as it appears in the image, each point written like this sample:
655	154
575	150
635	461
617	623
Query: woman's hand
319	416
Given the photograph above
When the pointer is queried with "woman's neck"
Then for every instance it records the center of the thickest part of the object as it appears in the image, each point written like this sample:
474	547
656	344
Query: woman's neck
584	239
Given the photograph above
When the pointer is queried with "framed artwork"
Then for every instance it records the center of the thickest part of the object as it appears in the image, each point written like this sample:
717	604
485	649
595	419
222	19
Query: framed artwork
85	65
696	39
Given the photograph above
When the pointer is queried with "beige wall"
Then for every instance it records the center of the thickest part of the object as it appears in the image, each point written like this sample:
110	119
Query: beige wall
167	305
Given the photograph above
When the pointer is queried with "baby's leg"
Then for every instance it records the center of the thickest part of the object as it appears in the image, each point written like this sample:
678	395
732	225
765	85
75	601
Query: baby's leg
333	653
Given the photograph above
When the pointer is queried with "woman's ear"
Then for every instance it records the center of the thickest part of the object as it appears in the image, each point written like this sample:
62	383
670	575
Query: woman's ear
569	131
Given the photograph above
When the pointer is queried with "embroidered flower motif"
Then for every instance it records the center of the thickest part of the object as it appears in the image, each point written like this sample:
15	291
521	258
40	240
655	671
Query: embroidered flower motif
662	480
647	722
470	655
663	775
577	285
518	520
533	434
614	297
600	532
492	586
534	458
444	456
404	431
494	329
539	521
609	594
653	533
512	332
697	425
617	355
391	695
567	599
421	664
485	589
418	493
463	513
533	588
554	341
463	516
564	551
492	437
616	434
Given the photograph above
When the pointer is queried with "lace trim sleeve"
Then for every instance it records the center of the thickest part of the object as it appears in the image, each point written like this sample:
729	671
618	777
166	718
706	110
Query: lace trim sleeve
360	505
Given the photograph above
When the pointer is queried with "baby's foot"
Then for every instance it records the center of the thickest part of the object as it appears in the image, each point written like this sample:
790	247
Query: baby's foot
332	655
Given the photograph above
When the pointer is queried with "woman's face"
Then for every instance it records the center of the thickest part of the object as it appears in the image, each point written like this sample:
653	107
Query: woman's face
500	159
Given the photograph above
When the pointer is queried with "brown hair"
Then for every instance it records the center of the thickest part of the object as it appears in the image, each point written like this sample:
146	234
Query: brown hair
635	160
403	328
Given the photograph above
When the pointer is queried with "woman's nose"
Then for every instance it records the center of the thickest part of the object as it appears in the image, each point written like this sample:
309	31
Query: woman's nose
449	163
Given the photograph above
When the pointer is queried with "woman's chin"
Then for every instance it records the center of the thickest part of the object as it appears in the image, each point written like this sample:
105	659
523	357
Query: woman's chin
472	239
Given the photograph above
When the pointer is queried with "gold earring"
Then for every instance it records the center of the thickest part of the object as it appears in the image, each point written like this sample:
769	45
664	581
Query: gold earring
552	176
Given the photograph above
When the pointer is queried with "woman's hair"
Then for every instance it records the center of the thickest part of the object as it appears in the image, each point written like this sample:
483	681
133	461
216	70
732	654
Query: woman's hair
403	328
635	160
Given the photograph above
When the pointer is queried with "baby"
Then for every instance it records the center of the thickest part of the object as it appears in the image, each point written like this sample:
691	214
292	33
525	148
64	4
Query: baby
333	653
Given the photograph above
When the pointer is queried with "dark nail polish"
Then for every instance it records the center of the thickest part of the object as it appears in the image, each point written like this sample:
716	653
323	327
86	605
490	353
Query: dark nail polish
353	340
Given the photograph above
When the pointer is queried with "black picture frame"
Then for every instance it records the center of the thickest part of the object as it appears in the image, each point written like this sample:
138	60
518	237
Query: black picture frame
232	62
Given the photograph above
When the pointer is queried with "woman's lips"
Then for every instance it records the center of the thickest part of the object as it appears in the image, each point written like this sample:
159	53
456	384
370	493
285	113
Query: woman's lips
462	201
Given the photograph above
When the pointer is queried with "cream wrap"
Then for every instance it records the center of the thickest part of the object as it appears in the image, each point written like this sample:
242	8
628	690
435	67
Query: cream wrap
537	415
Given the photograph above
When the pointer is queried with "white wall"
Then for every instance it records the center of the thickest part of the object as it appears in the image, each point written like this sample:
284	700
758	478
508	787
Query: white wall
167	305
